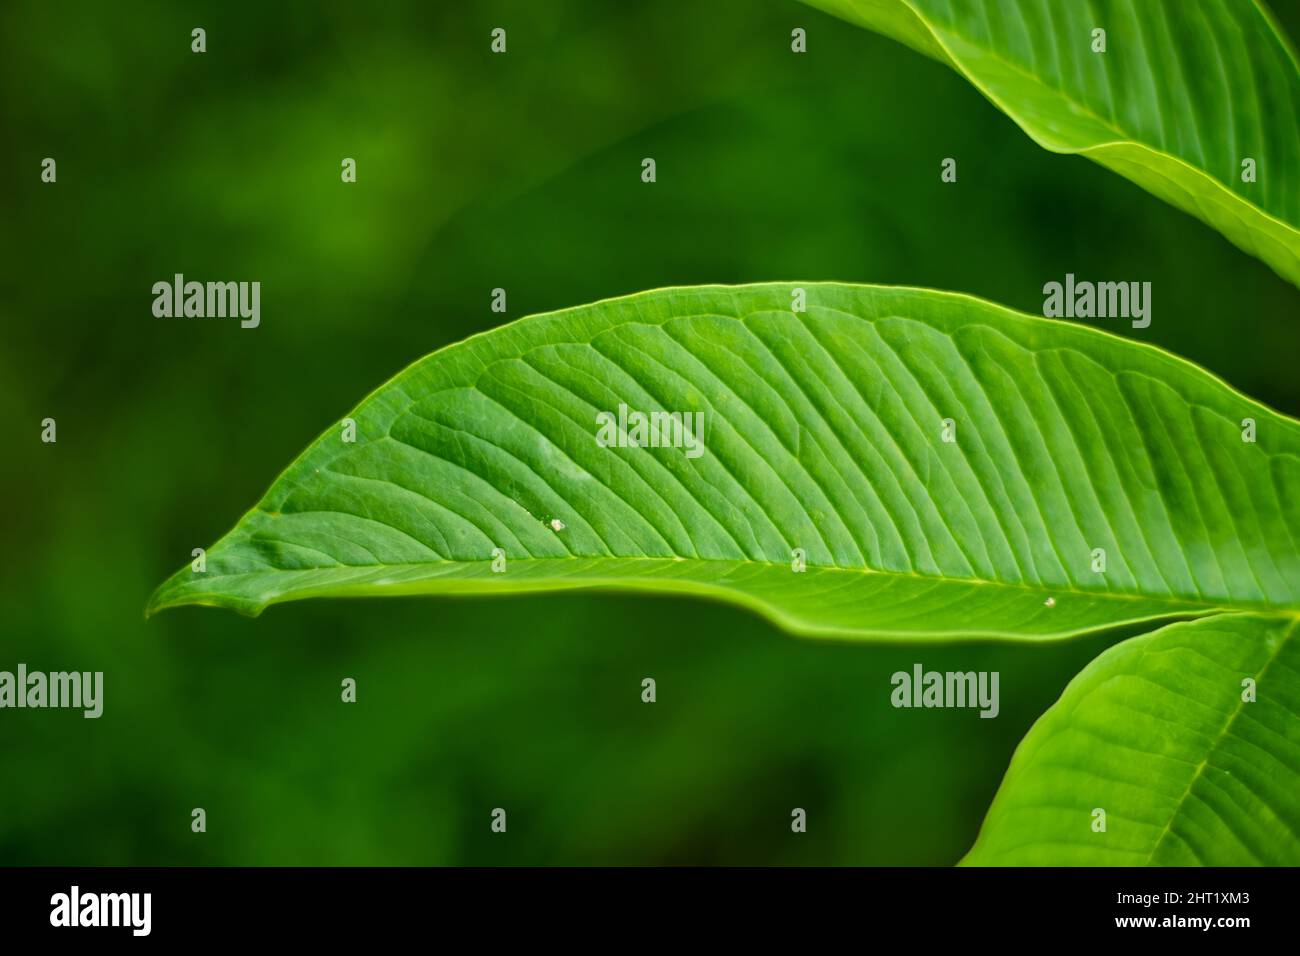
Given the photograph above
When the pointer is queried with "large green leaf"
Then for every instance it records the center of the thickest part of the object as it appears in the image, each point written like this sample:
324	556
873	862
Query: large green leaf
1185	91
1159	734
824	431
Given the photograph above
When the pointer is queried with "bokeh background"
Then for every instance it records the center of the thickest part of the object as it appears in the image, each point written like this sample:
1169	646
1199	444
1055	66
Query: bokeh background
476	171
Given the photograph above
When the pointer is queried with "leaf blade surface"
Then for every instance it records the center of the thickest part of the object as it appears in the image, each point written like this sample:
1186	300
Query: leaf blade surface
823	431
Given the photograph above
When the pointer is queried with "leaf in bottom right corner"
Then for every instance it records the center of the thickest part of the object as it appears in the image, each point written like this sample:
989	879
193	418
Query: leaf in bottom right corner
1177	748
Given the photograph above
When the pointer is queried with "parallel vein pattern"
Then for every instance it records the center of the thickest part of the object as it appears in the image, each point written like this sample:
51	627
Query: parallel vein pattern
824	431
1185	91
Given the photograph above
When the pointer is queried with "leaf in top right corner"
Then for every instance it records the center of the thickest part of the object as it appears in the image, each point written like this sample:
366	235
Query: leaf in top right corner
1196	101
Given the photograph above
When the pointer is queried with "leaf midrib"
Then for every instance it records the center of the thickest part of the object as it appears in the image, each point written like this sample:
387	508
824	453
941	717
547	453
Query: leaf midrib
1043	590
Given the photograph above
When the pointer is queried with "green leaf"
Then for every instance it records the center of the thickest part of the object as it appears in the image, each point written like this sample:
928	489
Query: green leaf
1157	733
1182	95
823	431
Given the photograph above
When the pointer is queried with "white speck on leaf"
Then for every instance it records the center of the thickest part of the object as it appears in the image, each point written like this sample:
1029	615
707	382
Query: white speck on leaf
1050	602
557	524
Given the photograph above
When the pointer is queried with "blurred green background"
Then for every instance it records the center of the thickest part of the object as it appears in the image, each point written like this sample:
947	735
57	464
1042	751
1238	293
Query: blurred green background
477	171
